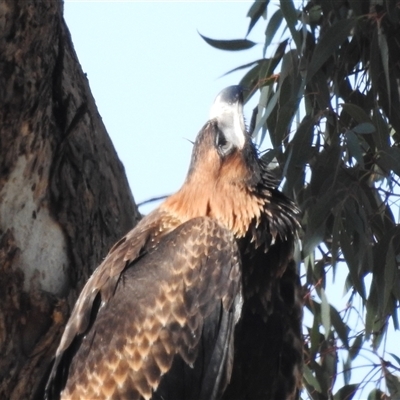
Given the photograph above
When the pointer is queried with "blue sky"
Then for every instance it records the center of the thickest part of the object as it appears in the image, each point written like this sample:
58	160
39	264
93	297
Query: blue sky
154	78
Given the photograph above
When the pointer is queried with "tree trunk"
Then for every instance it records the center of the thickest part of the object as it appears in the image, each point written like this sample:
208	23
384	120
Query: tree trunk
64	197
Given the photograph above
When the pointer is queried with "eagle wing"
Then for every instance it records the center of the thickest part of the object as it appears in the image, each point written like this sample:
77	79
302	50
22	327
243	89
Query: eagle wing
268	338
166	331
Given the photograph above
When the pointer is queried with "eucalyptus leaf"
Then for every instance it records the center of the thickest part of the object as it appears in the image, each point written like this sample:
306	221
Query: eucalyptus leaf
311	379
346	392
325	314
244	66
256	11
356	112
315	334
372	306
389	160
231	45
347	370
384	50
268	109
356	346
337	226
301	153
291	16
353	262
392	383
397	358
340	327
328	44
381	133
376	394
364	128
354	148
389	274
272	27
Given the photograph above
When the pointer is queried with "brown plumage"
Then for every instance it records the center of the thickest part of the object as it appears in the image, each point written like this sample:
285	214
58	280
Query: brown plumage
157	318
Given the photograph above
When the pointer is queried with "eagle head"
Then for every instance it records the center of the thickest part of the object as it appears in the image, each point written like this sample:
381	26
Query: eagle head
227	111
224	171
223	151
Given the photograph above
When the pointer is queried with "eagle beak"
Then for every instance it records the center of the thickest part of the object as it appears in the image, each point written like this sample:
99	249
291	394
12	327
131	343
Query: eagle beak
228	111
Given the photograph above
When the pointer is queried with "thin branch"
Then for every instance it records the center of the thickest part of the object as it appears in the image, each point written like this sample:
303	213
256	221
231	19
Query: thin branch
153	199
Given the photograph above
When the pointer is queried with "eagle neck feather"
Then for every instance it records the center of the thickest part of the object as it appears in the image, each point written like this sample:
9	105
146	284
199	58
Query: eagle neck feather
259	212
232	204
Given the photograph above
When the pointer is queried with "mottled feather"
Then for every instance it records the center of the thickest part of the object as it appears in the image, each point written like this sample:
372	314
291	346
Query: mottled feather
158	317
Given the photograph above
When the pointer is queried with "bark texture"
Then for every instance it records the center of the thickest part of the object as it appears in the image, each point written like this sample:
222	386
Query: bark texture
64	197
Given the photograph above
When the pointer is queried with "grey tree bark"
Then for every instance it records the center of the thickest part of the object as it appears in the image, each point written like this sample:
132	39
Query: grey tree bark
64	196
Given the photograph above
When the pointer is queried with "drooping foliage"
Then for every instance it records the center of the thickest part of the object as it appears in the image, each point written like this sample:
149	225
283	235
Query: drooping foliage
329	101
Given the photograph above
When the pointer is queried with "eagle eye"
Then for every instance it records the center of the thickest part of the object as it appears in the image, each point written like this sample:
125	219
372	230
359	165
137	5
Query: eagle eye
224	147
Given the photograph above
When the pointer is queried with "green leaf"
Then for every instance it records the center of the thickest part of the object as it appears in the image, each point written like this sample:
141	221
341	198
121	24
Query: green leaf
348	284
337	226
356	112
392	383
278	55
354	221
231	45
376	394
244	66
250	80
291	16
354	148
315	334
316	220
383	47
389	274
320	86
262	118
309	261
364	128
390	160
323	374
372	310
328	44
314	14
396	358
272	27
300	153
356	346
346	392
269	65
291	89
395	314
329	362
256	11
340	327
381	134
347	370
310	378
325	314
352	262
376	67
